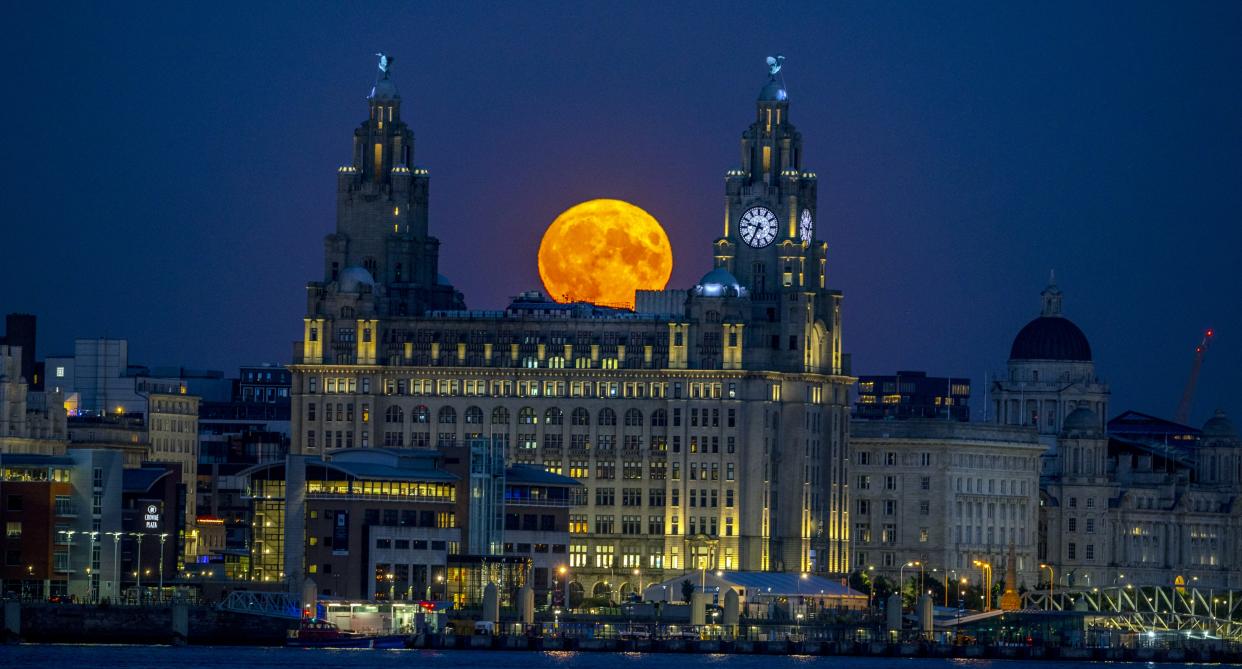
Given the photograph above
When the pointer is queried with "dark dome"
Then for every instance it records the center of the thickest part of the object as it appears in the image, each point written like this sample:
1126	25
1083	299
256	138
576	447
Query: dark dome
1219	427
1081	419
1051	338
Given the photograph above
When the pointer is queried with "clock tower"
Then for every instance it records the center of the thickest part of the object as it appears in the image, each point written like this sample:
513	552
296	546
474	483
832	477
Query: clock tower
769	240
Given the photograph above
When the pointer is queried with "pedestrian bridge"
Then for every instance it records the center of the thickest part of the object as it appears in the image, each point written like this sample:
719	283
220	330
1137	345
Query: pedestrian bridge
1211	613
269	604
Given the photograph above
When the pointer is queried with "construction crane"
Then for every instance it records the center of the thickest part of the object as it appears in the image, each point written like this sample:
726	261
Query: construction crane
1188	395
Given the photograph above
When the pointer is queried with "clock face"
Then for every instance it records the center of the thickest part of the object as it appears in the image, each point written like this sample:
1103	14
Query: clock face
806	227
758	227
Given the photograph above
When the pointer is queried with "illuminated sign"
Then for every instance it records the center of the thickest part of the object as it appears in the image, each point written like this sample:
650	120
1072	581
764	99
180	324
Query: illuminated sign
151	519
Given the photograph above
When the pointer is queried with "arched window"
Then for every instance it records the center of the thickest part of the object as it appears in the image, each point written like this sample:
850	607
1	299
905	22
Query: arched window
633	418
474	416
580	416
530	362
659	418
607	416
447	415
556	362
421	414
394	415
500	416
553	416
527	416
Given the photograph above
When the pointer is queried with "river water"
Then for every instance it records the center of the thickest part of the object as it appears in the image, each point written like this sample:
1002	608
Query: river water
223	657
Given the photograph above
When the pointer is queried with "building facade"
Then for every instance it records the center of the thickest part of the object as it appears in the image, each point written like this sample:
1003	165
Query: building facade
1153	503
388	523
31	421
913	395
1133	501
1050	374
946	494
708	426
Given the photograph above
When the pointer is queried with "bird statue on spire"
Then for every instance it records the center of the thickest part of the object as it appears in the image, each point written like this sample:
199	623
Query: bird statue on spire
384	61
774	64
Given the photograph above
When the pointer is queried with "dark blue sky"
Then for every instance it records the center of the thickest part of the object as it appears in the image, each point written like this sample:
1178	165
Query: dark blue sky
169	173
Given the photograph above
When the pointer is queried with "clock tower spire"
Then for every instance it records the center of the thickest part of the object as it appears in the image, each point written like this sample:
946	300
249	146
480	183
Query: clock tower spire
769	241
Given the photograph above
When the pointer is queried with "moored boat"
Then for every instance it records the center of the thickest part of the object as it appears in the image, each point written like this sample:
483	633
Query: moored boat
323	634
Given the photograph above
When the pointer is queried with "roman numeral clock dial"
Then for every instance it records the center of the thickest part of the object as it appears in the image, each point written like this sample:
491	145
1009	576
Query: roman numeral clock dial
758	227
806	226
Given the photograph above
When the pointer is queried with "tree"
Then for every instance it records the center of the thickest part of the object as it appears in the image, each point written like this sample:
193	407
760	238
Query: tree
687	590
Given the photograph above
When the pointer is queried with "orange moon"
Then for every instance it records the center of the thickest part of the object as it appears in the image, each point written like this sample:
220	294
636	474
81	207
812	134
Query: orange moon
601	251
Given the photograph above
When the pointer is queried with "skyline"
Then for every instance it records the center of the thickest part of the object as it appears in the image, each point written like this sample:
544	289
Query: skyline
908	198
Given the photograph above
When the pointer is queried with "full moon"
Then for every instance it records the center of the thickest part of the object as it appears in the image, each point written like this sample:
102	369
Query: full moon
601	251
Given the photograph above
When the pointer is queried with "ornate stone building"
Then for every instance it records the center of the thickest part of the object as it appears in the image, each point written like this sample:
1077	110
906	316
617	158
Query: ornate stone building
944	493
1135	500
709	425
1050	374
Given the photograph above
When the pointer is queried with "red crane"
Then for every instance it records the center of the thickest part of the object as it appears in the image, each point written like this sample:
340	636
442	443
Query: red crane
1188	395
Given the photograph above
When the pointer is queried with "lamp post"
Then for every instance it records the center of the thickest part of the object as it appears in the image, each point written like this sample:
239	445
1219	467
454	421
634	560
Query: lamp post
163	537
639	574
564	572
116	561
987	583
871	583
138	565
68	559
1052	578
91	591
901	578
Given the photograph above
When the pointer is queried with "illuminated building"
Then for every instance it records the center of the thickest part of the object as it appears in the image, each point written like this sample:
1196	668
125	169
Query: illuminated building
944	493
393	523
708	425
912	395
1137	500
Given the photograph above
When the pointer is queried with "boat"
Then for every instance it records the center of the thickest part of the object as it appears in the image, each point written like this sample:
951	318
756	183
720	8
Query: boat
323	634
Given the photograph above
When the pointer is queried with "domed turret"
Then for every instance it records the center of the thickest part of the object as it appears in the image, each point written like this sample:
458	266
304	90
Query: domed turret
773	91
1219	427
719	283
1051	336
353	278
1082	420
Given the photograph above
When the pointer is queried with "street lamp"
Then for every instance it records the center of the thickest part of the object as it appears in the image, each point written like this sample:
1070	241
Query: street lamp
116	561
639	574
871	583
68	559
163	537
564	572
1052	578
138	565
91	576
987	583
901	576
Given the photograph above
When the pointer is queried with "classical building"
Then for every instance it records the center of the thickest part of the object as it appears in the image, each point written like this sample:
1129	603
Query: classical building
1136	500
708	426
1147	503
1050	374
944	493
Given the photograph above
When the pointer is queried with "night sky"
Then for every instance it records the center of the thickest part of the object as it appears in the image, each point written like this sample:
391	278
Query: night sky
169	174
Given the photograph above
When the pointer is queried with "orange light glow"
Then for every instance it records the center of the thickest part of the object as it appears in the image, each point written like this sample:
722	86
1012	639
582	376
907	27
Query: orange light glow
601	251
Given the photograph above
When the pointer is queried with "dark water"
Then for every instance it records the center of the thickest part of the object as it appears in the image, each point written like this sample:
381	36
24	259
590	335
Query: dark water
204	657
